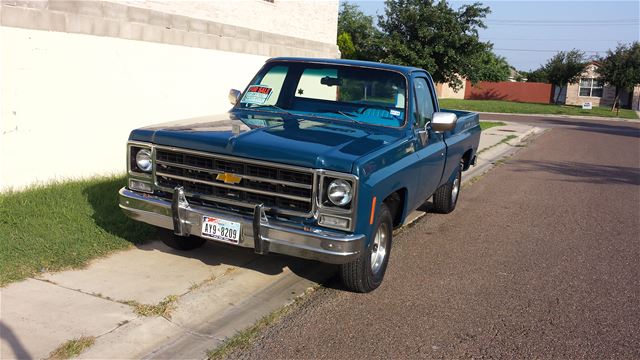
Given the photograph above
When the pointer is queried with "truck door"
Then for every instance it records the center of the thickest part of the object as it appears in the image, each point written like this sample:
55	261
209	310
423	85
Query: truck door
430	146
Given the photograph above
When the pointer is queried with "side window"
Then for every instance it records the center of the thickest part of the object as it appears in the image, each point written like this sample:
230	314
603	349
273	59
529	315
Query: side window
424	102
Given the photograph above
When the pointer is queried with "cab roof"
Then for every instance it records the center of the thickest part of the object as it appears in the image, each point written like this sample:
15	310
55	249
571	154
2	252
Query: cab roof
406	70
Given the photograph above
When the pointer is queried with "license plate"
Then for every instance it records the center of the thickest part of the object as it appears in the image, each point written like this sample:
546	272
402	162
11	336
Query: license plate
222	230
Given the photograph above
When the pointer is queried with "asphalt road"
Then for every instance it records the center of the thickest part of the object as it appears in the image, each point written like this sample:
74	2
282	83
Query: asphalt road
541	259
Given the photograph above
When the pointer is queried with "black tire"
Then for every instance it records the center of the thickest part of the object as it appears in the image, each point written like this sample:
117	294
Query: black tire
359	275
446	197
183	243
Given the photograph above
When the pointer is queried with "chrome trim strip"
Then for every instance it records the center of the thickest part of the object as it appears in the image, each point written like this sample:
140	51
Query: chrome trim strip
235	158
248	177
232	187
242	204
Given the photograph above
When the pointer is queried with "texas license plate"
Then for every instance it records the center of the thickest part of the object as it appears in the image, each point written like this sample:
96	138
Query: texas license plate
219	229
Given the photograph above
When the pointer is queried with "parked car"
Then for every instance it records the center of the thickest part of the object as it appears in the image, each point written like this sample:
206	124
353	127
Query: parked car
318	159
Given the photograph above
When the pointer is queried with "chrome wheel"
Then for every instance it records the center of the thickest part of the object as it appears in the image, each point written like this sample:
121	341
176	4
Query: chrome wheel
379	248
455	190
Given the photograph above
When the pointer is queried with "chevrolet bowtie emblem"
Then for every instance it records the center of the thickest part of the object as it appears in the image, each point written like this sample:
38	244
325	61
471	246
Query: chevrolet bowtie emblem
229	178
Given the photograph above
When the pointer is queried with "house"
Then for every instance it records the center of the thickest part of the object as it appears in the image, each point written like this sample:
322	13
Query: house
590	89
77	76
515	75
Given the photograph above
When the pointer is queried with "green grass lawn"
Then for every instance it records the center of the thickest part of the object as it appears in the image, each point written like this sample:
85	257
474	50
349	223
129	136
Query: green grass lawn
498	106
62	226
484	125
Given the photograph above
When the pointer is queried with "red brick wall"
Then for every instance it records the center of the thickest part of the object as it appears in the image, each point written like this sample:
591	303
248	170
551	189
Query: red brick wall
510	91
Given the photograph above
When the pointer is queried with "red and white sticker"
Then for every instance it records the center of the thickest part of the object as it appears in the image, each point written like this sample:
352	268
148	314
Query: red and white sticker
257	94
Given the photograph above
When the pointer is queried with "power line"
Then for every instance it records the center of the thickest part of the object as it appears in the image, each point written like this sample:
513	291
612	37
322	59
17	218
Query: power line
532	39
604	21
541	50
561	25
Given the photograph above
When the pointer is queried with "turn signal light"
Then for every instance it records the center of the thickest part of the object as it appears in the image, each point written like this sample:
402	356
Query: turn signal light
334	222
140	186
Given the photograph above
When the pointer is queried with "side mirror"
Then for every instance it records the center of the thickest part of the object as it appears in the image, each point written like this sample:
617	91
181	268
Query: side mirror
443	121
234	96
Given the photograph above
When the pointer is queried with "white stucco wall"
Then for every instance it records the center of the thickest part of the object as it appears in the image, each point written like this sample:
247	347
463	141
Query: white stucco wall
69	101
315	20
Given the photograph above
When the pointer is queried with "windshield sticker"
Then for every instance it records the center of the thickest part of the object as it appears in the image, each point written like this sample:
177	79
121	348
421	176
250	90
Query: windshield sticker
257	94
394	112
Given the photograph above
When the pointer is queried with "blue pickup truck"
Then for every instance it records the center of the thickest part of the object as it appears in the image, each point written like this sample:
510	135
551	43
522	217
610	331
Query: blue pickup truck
318	159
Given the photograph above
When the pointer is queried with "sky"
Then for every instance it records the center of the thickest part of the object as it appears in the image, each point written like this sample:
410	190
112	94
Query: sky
528	33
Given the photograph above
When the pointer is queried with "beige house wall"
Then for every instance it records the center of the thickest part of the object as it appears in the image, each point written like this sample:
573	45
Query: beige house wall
444	91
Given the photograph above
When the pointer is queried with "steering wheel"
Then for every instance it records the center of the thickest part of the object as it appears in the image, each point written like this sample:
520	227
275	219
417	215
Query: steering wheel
367	107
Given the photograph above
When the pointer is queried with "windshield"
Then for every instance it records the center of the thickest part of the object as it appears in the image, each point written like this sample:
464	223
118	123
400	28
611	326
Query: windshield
348	93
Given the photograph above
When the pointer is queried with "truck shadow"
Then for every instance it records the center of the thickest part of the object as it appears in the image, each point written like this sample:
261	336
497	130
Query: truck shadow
630	128
581	172
616	128
214	253
103	198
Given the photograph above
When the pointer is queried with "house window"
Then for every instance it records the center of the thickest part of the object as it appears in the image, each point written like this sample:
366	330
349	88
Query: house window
590	87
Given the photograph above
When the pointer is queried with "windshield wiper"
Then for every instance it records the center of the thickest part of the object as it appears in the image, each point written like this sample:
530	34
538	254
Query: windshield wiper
263	107
279	109
347	116
350	117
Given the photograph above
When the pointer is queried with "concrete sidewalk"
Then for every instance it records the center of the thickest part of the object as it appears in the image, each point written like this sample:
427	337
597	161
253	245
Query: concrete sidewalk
206	295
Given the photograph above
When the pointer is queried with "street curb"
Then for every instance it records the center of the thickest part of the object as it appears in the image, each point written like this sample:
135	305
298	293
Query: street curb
561	116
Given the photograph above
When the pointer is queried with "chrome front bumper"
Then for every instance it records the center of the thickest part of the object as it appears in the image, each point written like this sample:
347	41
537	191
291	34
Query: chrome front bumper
257	232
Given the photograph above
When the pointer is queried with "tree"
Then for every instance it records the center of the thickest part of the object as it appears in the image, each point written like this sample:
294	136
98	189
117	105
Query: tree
621	68
345	44
564	68
538	75
358	38
491	67
435	37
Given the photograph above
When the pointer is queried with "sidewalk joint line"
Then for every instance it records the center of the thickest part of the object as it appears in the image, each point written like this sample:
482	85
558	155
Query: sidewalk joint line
99	296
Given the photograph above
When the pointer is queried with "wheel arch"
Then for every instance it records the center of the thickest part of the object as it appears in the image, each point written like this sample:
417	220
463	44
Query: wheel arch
397	204
467	158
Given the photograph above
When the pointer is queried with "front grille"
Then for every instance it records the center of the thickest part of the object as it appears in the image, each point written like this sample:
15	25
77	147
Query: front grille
279	188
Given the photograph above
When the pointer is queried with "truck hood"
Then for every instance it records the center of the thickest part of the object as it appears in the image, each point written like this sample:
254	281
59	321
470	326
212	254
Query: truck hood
294	140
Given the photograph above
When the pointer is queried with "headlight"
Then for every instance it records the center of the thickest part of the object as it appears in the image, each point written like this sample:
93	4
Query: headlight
143	160
339	192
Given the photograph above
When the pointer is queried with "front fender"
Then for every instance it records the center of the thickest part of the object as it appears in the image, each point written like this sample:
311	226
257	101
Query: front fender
380	176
